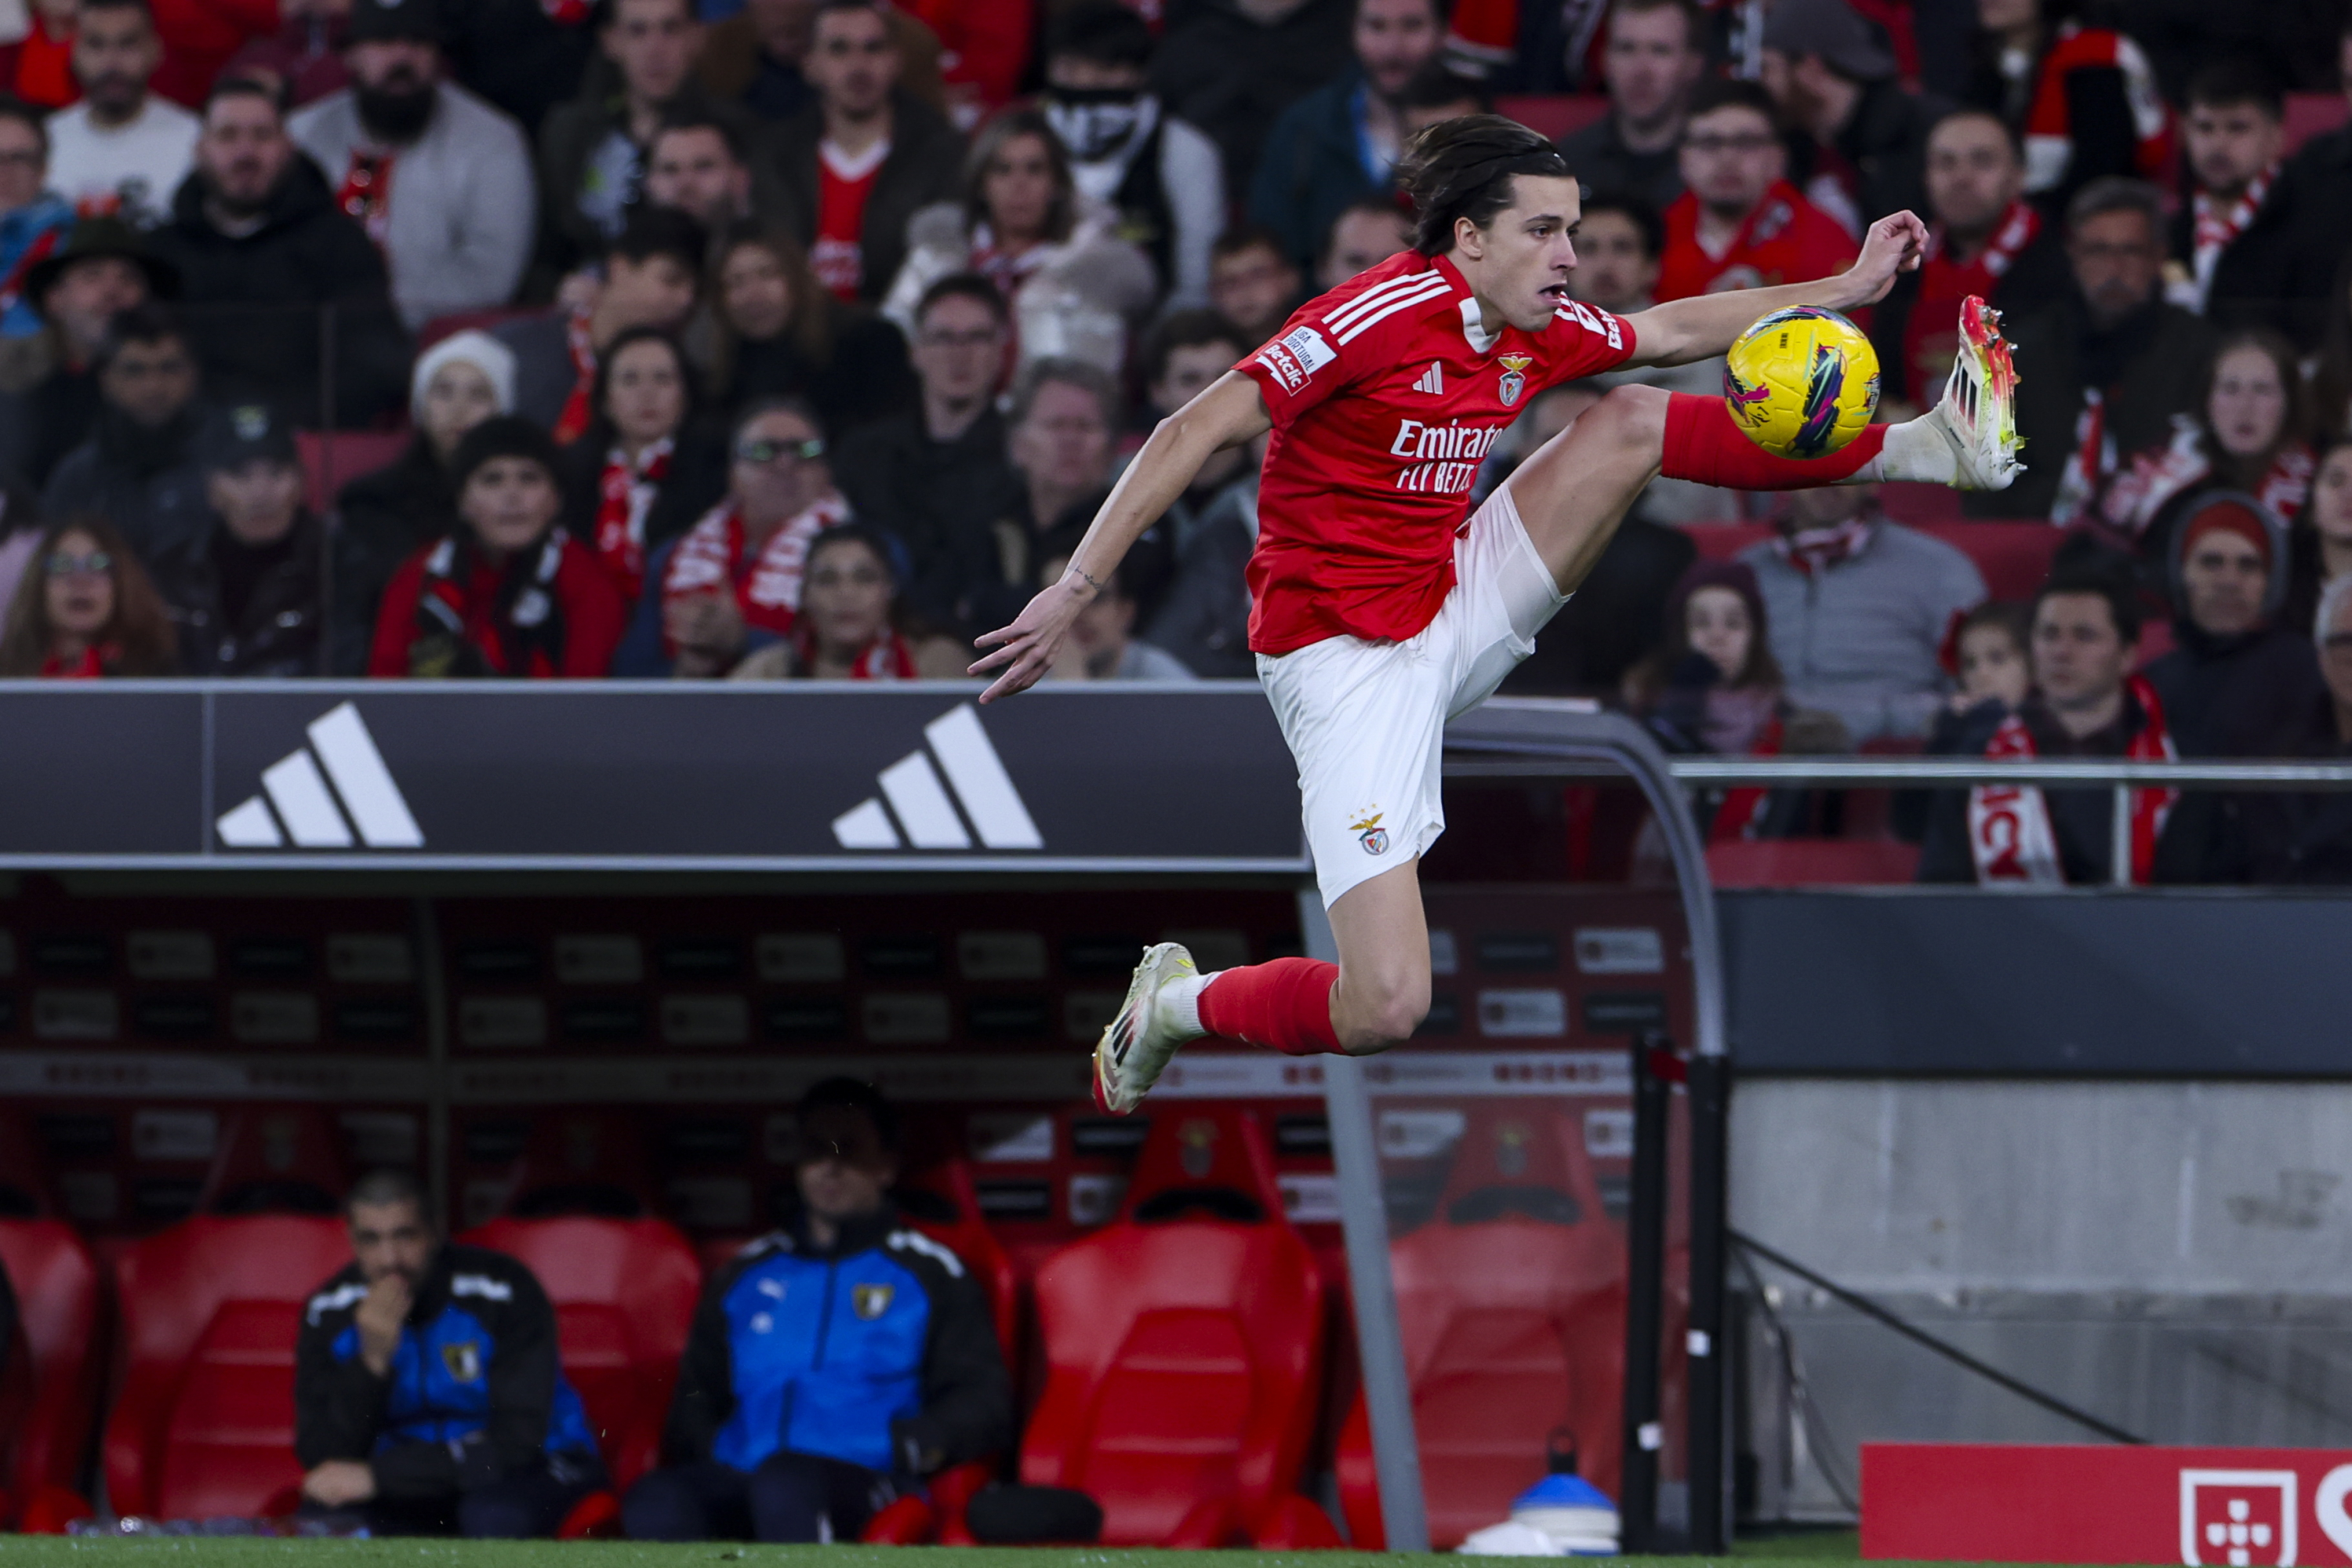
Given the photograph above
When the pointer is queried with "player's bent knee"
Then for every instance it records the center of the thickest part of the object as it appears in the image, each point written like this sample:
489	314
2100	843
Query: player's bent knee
1635	416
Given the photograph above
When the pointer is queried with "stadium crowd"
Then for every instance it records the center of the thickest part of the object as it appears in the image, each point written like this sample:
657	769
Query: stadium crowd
802	341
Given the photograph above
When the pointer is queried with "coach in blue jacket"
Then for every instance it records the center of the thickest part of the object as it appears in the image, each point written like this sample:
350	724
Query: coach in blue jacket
427	1395
833	1365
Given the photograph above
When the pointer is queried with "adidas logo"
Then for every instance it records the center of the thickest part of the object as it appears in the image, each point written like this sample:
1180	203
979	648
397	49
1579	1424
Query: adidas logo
1433	381
296	802
921	811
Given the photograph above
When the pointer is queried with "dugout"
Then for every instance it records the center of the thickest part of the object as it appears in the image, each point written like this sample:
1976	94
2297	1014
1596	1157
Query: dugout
580	948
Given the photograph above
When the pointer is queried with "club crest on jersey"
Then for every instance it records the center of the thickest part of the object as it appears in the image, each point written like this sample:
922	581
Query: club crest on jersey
464	1361
1515	376
870	1301
1370	834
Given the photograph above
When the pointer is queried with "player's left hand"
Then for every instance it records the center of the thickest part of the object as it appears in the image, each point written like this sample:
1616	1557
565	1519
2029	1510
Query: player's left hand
1896	243
1025	649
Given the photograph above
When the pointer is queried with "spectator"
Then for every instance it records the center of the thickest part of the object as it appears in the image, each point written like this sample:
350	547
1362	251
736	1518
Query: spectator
1232	69
1618	616
1160	176
1859	609
2237	682
427	1395
2321	173
731	583
2260	248
934	476
249	594
653	276
1102	644
2307	839
387	516
261	252
2086	703
1073	284
754	58
1983	239
861	160
1740	224
524	57
1991	659
440	180
795	1418
1203	616
1185	353
1655	57
2319	545
785	336
2331	375
1364	235
1440	91
507	592
646	469
2083	99
698	163
1865	137
38	68
848	628
34	222
137	471
122	150
85	608
101	270
1252	282
592	150
2247	436
2113	361
1340	143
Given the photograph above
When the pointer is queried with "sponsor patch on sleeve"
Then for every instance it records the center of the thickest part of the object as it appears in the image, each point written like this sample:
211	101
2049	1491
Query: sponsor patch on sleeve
1308	344
1284	364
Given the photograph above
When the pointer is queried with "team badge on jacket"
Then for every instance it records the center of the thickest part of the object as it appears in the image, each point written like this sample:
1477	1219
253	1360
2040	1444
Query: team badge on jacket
464	1361
1369	832
1515	382
870	1301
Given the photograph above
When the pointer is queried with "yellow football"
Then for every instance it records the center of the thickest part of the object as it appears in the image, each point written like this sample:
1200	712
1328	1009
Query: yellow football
1802	382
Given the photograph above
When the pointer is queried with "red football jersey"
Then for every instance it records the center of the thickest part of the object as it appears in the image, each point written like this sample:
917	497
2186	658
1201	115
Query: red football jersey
1786	239
1386	394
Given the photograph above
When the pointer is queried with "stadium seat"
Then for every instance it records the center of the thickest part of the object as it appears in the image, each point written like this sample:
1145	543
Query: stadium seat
1555	114
1184	1347
1810	862
1511	1300
584	1163
48	1373
2310	114
331	460
2012	557
205	1421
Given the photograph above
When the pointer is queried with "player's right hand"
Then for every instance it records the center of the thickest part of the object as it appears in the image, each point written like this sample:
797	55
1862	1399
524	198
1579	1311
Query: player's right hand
1025	651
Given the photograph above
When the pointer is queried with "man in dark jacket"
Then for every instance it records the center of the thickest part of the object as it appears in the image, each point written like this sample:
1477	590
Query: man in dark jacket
263	252
51	396
137	470
426	1392
1863	139
833	1362
2261	243
1231	66
1656	54
858	163
247	595
2106	367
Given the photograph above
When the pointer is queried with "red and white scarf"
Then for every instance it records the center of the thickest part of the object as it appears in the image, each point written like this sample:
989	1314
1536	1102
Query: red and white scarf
887	658
710	558
1929	336
625	494
1811	550
90	666
366	192
2009	832
2217	227
1742	808
2138	494
580	407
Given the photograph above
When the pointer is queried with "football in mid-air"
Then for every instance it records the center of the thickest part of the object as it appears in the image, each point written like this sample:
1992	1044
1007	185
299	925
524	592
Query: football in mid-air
1801	382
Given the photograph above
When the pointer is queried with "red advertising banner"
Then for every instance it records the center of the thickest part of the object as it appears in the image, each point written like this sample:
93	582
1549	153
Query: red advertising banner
2019	1502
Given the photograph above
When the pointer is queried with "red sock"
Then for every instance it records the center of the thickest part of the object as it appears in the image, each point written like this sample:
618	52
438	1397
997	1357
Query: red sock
1705	443
1285	1005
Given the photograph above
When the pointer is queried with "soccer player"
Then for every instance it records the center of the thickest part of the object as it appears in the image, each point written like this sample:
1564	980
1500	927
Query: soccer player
1379	611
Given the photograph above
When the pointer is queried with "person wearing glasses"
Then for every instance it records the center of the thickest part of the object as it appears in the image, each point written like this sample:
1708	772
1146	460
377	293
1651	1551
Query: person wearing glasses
33	219
1740	224
730	585
86	610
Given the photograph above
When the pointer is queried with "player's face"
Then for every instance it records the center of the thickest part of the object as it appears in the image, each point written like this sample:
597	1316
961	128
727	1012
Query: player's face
1972	173
1614	268
2248	405
2079	658
1524	257
2224	580
2230	143
1730	158
389	1239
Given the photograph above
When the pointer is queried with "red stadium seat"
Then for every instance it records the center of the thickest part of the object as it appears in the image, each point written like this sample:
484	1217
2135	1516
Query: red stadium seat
49	1373
1184	1348
2310	114
624	1293
1810	862
1511	1299
331	460
1555	114
277	1159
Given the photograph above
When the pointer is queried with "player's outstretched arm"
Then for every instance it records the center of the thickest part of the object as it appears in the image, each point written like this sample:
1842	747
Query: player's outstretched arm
1703	325
1227	414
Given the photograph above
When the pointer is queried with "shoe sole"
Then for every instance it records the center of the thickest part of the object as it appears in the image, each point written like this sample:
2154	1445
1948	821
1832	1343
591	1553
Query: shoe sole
1161	963
1984	386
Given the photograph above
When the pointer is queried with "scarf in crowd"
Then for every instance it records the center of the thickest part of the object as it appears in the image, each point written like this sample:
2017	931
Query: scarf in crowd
579	408
1812	550
1006	271
625	495
365	194
526	616
2010	831
887	658
2217	227
1743	805
709	558
90	666
2141	491
1928	334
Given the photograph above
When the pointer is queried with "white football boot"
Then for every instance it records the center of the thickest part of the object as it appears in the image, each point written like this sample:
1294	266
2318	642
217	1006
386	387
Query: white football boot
1978	413
1140	1041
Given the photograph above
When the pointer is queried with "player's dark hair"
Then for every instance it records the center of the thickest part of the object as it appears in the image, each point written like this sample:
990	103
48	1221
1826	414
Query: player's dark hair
973	286
1188	329
1636	211
1465	168
852	1094
2236	79
388	1185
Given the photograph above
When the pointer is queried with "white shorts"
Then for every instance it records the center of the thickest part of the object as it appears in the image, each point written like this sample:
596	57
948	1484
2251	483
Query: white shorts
1366	720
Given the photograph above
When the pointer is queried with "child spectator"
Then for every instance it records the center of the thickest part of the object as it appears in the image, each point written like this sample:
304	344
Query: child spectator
86	609
1991	656
507	592
783	335
648	468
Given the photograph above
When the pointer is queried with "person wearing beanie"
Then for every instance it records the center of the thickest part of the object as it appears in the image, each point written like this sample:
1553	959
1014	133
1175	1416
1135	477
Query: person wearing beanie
506	593
2237	682
1863	139
441	179
248	596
